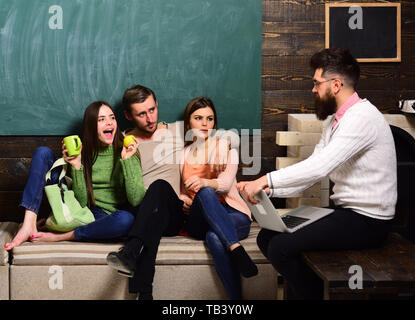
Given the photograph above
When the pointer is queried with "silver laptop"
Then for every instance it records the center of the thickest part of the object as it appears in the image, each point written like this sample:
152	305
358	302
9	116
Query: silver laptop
268	218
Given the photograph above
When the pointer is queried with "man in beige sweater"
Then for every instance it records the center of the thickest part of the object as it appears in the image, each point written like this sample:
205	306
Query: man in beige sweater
356	151
161	211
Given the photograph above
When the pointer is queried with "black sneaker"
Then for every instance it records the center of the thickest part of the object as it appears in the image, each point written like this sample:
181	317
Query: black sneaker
125	260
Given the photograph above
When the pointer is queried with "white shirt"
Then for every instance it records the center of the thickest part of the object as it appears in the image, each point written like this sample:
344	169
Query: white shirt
358	155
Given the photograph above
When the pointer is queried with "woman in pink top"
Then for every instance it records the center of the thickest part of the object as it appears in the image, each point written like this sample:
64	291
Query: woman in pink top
217	214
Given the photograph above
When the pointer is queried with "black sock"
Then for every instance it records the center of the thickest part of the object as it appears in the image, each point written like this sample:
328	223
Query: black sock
244	263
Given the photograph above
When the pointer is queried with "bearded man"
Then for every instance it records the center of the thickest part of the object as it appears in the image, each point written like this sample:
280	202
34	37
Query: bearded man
357	152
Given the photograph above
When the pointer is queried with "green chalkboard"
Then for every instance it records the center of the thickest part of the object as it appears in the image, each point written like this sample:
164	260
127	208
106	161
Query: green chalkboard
57	56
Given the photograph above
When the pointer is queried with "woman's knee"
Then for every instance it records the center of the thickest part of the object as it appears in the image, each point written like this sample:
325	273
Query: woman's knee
206	192
123	220
43	153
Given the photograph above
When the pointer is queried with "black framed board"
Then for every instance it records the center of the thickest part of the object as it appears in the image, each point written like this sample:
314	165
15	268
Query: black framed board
57	56
371	31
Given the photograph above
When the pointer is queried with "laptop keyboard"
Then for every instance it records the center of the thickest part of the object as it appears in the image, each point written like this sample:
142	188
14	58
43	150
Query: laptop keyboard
292	222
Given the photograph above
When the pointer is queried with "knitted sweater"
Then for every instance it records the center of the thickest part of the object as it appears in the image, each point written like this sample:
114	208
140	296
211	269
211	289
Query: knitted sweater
358	155
110	192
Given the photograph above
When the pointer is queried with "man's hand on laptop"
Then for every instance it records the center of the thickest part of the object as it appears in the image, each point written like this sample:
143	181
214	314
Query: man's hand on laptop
249	189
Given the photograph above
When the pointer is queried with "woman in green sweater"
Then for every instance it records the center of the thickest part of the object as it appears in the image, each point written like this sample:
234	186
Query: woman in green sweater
106	176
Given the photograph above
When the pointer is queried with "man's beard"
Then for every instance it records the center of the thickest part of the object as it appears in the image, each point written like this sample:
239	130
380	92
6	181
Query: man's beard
325	106
146	130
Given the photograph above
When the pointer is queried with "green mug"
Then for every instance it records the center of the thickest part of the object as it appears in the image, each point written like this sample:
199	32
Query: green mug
73	145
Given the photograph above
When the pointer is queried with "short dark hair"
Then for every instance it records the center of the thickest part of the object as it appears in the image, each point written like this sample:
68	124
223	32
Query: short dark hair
337	61
136	94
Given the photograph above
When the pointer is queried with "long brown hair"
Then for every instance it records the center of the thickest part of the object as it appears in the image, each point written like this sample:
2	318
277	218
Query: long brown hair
192	106
91	144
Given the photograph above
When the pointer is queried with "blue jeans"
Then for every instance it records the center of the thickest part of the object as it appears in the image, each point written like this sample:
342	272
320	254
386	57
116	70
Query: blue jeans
42	160
105	226
115	225
220	226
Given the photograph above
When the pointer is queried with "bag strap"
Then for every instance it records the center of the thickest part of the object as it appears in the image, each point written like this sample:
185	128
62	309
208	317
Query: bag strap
57	163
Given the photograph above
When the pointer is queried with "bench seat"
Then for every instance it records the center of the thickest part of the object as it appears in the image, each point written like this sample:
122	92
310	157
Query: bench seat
184	270
7	229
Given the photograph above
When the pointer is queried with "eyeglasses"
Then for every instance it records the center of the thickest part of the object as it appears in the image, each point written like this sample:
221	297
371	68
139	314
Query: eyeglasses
318	83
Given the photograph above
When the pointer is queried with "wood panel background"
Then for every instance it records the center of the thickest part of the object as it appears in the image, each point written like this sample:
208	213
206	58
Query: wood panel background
293	30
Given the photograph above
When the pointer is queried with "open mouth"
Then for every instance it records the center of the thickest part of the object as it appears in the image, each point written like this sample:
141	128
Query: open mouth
108	133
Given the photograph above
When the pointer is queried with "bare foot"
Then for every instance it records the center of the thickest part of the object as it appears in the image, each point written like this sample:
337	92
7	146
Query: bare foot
28	228
51	237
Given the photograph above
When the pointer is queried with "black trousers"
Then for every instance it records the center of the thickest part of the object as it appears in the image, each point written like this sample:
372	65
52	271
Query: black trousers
344	229
159	214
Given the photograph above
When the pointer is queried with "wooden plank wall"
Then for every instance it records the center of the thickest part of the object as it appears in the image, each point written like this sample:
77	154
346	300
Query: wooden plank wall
292	31
15	159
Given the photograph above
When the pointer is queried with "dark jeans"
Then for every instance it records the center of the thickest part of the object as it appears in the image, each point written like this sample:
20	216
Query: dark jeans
220	226
42	160
344	229
106	226
159	214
